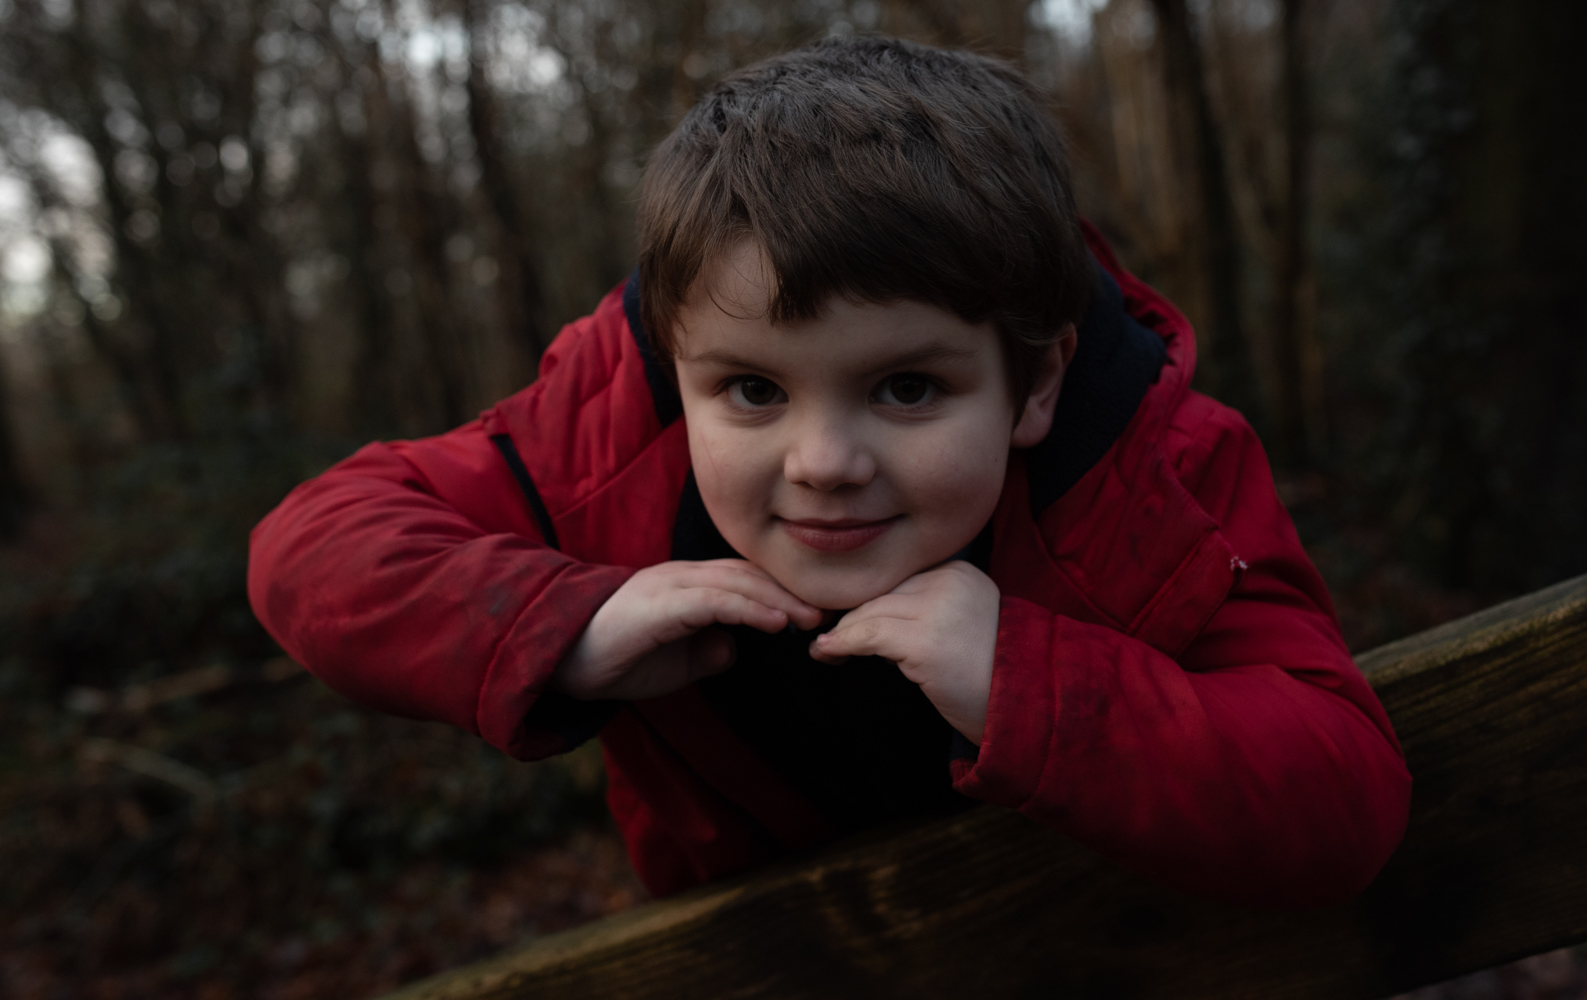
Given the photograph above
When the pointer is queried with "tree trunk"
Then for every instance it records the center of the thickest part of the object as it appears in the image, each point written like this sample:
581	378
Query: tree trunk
372	398
1296	431
1225	366
15	496
1484	333
418	209
518	289
139	278
123	367
996	27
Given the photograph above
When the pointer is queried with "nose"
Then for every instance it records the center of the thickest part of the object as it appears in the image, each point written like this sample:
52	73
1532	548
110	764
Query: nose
827	453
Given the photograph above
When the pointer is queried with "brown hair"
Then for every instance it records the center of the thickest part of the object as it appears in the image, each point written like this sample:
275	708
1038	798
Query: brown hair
877	170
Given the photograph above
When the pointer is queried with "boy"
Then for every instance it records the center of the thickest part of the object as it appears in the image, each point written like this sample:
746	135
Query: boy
871	361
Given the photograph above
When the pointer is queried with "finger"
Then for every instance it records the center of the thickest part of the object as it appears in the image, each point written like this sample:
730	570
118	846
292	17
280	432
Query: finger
891	605
870	636
703	606
739	565
756	583
816	653
711	651
742	578
728	569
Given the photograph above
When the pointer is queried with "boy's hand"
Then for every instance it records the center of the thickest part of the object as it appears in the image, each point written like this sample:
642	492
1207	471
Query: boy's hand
647	639
940	627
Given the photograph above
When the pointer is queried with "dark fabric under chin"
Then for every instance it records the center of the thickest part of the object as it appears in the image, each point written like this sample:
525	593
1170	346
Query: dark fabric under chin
858	739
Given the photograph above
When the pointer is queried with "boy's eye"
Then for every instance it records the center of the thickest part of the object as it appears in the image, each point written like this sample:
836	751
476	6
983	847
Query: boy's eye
752	391
906	389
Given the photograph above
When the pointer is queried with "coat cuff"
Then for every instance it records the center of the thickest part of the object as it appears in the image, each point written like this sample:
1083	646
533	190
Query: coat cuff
557	723
521	672
1019	713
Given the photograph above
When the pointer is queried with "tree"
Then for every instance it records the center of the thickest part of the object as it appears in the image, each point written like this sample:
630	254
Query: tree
15	496
1481	353
1216	262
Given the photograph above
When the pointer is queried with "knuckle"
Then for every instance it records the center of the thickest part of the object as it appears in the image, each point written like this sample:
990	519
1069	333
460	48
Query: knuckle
724	600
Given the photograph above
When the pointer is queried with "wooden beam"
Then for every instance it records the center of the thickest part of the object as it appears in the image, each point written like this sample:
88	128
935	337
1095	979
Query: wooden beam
1492	711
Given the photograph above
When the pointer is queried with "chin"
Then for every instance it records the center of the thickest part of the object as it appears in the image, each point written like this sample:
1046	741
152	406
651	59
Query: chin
838	591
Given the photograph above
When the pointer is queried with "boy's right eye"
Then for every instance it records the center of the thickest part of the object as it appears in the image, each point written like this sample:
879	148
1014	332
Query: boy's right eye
751	391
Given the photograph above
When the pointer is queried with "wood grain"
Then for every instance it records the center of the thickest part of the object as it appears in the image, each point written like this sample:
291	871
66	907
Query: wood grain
1491	709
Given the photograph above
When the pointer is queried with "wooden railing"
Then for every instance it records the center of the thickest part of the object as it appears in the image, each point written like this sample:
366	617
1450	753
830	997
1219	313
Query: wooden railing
1492	712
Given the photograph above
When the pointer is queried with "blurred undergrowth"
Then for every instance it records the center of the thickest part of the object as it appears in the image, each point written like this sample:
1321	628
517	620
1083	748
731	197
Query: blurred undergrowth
146	574
180	806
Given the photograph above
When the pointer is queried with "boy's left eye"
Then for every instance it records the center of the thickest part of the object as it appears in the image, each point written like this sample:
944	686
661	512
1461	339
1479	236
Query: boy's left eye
906	389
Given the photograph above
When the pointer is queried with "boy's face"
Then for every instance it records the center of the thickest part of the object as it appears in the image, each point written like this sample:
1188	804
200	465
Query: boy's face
844	454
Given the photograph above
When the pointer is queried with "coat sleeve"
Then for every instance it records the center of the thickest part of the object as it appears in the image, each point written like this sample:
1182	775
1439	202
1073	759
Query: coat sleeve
1259	768
382	578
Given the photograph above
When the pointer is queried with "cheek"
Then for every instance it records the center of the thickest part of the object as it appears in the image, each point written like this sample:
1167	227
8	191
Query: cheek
959	473
733	474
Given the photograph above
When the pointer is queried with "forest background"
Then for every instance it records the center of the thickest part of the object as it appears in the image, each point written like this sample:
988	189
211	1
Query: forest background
238	238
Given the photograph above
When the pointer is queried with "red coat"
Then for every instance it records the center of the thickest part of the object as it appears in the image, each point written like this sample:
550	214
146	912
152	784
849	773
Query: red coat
1170	686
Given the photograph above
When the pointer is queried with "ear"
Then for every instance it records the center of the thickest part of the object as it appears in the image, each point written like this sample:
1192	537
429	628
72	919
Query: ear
1036	420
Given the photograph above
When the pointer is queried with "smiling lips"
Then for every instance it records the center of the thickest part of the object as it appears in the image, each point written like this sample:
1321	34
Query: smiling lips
844	535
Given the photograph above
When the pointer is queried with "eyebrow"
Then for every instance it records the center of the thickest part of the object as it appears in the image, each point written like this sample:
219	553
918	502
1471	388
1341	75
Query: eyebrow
726	359
925	355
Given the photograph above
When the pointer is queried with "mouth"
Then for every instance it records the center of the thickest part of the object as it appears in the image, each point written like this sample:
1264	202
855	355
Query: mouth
842	535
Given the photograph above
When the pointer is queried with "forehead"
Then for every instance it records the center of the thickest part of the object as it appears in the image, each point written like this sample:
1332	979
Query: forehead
726	320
